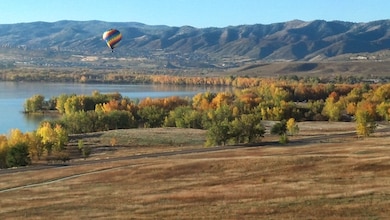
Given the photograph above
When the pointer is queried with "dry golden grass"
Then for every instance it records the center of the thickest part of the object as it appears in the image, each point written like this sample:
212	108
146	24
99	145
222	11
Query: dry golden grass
327	177
320	69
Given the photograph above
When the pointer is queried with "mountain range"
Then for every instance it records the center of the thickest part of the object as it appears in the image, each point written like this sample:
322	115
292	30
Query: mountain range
293	40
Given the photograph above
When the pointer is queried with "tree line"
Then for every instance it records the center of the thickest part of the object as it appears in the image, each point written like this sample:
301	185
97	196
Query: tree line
124	76
229	117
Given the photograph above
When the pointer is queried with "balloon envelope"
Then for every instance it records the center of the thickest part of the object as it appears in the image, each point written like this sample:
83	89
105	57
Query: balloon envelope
112	37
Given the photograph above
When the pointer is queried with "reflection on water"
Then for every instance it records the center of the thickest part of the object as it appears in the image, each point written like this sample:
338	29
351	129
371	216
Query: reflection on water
14	94
35	119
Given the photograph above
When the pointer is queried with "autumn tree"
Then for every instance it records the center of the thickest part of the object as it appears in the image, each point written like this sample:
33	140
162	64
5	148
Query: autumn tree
301	92
60	103
73	104
48	136
108	107
365	124
380	97
3	151
222	98
202	101
14	150
173	102
16	136
34	104
332	108
383	110
355	95
36	147
292	127
273	93
61	137
382	93
351	108
365	119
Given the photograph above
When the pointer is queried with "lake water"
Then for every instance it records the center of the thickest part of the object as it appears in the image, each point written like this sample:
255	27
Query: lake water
14	94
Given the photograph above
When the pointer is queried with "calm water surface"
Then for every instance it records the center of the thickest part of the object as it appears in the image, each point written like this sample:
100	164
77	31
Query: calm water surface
14	94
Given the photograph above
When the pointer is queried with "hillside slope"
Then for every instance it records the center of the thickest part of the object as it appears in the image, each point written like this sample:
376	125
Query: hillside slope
293	40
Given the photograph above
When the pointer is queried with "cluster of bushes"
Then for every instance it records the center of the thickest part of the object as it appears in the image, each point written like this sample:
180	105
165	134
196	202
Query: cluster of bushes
48	142
18	149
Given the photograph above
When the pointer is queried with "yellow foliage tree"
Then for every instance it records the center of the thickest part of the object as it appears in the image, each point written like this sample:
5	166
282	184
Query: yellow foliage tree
222	98
292	127
365	119
382	93
61	137
16	136
201	101
36	148
47	135
332	107
383	110
3	151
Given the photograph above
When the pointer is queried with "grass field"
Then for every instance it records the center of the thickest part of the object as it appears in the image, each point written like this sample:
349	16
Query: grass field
322	69
324	173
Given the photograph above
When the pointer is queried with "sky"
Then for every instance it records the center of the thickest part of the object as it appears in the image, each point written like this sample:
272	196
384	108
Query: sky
196	13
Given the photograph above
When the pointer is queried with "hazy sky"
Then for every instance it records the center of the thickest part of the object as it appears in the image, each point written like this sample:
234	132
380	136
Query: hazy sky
197	13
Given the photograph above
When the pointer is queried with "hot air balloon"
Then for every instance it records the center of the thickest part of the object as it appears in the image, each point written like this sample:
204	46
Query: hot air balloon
112	37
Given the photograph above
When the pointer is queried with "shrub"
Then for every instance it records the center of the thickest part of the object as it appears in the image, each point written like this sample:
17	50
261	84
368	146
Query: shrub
18	155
